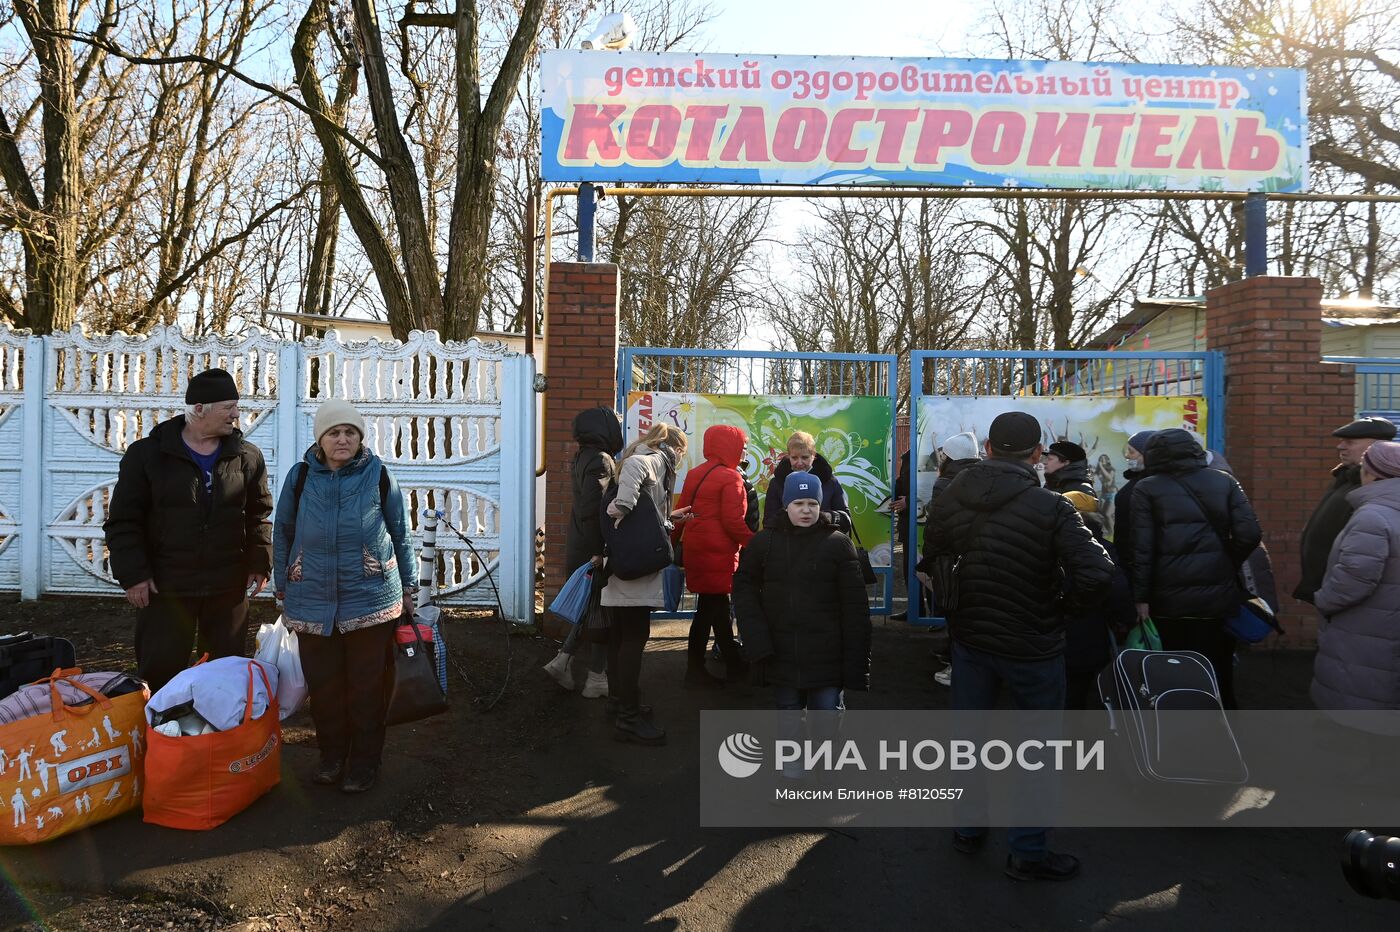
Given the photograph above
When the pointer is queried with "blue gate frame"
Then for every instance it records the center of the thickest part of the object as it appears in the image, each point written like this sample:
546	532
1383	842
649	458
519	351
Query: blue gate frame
760	372
1377	385
1054	373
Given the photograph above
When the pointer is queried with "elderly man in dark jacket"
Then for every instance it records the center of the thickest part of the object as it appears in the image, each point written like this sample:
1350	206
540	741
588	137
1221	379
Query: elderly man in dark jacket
1192	529
1013	541
187	531
1334	511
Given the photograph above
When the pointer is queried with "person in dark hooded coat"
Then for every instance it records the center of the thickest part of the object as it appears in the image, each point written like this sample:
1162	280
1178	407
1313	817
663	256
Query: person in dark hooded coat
1192	529
598	433
802	456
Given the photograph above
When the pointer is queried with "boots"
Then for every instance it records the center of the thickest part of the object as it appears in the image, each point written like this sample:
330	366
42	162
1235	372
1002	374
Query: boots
735	670
559	671
613	708
596	686
633	727
697	677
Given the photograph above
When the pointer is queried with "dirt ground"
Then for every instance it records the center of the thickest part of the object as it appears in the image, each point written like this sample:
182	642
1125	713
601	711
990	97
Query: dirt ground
517	811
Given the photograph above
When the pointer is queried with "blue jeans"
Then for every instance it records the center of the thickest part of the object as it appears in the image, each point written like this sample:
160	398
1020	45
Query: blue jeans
1033	684
791	701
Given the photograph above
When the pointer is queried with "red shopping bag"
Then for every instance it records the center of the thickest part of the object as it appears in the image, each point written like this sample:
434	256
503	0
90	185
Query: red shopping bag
201	781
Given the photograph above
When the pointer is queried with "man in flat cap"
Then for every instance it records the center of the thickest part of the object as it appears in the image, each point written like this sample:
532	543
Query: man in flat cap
188	535
1010	543
1334	511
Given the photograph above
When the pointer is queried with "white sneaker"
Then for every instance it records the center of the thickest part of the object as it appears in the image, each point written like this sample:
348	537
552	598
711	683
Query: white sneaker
944	677
559	671
596	686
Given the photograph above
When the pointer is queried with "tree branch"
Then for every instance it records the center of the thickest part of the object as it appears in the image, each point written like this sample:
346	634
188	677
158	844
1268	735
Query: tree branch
111	48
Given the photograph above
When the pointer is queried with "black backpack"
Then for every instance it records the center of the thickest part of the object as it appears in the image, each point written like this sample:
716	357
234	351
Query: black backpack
299	484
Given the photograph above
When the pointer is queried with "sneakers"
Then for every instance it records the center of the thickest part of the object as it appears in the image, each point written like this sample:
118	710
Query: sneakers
558	670
944	677
968	844
596	686
1051	867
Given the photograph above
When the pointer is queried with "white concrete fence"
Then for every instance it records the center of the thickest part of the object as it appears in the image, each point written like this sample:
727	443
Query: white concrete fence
454	422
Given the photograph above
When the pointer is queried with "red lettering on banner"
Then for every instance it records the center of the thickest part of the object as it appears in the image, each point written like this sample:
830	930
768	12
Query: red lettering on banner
1057	141
590	127
1111	127
799	134
941	129
1155	132
998	138
894	127
652	133
838	144
1251	151
748	141
1203	146
703	120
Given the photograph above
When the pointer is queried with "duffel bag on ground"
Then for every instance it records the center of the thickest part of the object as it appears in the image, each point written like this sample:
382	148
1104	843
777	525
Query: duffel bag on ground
74	763
198	782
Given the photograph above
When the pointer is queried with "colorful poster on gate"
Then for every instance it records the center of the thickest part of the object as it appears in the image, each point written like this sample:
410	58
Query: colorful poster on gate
853	434
634	117
1101	426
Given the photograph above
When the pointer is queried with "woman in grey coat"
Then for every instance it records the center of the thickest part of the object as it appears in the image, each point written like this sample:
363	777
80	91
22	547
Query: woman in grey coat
646	477
1358	648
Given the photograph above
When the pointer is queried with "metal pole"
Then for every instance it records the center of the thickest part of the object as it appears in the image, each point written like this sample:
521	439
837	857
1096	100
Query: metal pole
527	299
1256	235
427	558
587	210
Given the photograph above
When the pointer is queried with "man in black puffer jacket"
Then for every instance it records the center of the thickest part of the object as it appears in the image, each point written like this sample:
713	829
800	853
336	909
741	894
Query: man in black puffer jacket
1192	528
1013	539
188	534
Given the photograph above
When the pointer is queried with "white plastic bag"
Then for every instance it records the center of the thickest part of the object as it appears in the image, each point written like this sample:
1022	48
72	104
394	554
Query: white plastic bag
277	646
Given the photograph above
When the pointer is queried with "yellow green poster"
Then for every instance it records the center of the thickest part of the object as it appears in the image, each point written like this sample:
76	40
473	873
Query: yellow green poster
853	434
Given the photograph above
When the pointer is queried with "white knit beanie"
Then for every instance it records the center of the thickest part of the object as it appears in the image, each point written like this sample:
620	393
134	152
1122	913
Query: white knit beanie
962	446
335	412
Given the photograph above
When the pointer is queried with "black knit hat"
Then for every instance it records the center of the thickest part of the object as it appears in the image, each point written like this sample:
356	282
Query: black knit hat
210	386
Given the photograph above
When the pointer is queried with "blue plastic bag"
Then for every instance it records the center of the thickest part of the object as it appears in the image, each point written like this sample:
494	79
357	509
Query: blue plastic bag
572	601
672	586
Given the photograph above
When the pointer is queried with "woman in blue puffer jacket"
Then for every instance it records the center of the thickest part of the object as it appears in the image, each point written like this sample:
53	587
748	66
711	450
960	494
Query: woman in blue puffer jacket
344	567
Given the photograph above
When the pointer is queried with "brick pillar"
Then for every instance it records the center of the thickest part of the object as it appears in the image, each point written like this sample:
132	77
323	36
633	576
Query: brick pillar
1281	405
581	366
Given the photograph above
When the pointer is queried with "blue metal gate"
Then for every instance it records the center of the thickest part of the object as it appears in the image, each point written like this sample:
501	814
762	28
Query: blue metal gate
1377	385
1055	374
762	372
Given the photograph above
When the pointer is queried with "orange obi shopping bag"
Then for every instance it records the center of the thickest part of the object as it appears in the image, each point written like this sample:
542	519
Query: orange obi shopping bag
201	781
71	766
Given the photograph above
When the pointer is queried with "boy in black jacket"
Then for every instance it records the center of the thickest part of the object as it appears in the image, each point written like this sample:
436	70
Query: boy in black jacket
802	606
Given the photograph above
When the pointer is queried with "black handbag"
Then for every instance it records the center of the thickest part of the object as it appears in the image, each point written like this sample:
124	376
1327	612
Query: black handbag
415	692
639	544
867	571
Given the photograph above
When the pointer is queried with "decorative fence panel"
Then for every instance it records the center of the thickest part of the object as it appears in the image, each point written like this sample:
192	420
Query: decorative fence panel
455	422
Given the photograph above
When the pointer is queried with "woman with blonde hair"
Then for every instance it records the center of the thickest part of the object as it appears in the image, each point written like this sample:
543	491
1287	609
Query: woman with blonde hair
646	476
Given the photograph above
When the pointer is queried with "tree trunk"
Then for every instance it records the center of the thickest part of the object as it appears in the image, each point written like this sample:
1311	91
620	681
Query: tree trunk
52	271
